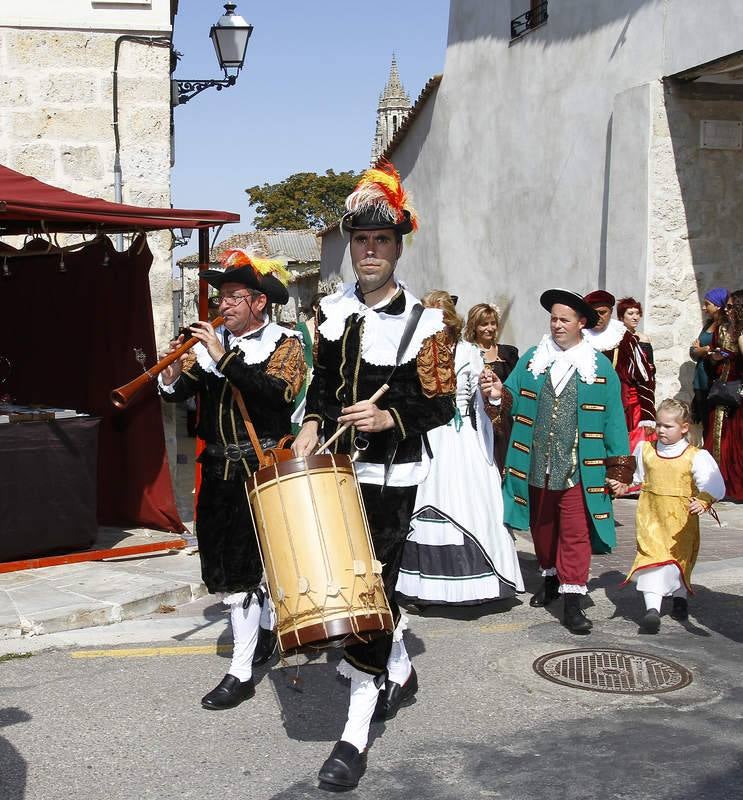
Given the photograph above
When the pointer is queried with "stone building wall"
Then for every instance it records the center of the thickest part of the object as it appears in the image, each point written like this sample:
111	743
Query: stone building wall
56	101
695	231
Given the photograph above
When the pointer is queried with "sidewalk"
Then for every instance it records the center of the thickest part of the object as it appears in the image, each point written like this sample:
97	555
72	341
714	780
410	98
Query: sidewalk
74	596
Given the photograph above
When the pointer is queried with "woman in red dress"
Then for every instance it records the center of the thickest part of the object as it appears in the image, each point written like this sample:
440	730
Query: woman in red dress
629	312
725	427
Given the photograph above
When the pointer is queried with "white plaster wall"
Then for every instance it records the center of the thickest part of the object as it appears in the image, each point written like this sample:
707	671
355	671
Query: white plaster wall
56	125
114	15
530	165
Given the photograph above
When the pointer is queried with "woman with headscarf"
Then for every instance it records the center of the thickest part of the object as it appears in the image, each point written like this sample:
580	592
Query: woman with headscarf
725	423
699	352
458	551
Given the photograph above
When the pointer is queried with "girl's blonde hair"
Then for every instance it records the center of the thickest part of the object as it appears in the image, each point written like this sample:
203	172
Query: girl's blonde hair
441	299
677	407
476	316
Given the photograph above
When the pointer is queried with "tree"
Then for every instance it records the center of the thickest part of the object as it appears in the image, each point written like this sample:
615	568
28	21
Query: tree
303	200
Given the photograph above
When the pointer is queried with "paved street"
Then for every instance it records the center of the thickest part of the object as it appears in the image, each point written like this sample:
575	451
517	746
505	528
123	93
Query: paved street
112	713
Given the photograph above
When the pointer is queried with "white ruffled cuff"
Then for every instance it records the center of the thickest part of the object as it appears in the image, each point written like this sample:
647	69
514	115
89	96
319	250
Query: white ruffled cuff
573	588
232	599
346	670
165	387
402	626
646	423
548	573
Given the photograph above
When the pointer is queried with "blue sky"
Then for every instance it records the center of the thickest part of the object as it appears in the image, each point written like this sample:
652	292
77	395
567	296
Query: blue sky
306	99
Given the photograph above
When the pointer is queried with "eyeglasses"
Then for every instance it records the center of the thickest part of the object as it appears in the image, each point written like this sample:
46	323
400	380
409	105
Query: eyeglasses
232	299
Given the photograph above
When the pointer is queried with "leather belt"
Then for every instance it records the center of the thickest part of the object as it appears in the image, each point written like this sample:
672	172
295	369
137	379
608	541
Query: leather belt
231	452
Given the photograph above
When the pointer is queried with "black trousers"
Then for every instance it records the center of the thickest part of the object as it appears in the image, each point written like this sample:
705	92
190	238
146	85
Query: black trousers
228	547
389	513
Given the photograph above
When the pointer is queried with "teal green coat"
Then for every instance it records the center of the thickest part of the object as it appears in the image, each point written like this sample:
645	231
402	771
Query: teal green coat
602	432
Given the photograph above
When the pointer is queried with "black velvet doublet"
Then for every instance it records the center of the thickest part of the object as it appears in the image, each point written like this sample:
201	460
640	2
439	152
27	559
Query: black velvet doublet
341	378
230	560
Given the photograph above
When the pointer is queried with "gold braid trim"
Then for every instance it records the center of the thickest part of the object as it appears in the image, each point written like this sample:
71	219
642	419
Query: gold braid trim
436	366
498	414
620	468
287	363
316	337
189	360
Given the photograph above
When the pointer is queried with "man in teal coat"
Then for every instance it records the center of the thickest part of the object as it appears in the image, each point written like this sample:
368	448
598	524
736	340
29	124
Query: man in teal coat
569	440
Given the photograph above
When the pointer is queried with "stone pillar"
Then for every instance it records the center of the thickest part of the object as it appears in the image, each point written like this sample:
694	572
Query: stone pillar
695	236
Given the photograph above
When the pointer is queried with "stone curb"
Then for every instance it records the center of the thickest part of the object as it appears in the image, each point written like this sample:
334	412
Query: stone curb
84	616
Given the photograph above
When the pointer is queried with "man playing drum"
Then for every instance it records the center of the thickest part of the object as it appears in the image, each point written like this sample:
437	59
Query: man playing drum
360	329
265	364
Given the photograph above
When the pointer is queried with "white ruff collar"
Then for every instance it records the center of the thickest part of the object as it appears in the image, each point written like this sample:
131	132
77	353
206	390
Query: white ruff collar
256	346
607	339
582	357
380	332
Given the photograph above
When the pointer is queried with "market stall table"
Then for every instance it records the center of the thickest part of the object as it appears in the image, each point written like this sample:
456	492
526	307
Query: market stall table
47	486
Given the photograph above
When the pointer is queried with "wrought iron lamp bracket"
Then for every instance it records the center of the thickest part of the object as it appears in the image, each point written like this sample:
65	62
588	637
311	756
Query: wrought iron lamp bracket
190	88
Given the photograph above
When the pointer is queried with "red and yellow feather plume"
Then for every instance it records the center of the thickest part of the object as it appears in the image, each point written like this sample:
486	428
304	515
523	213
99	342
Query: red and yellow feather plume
232	259
380	189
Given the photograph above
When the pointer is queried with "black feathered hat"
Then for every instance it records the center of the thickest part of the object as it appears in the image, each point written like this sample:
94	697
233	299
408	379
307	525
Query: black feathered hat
259	274
378	202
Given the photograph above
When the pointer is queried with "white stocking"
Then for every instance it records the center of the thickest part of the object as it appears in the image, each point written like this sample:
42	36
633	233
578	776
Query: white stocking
364	693
268	614
398	664
245	637
652	600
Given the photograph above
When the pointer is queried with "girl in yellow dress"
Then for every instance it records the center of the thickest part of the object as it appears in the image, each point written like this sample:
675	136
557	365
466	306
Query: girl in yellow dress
679	482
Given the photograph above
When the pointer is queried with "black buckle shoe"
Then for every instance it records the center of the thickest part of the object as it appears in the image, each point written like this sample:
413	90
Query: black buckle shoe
550	591
680	610
651	621
230	692
343	768
573	617
266	647
394	697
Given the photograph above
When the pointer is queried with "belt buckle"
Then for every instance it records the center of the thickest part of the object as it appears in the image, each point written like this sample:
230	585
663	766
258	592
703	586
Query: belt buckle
232	452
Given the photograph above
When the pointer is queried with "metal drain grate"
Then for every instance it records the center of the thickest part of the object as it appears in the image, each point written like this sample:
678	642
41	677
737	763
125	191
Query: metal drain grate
615	671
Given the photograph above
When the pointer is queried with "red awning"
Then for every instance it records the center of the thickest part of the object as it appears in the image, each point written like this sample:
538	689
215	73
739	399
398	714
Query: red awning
30	206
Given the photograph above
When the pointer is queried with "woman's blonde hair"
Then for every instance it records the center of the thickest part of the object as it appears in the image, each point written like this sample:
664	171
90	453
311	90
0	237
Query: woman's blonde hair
441	299
677	407
477	315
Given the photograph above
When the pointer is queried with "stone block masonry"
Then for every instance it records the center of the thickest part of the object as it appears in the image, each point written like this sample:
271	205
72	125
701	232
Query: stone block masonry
695	208
56	124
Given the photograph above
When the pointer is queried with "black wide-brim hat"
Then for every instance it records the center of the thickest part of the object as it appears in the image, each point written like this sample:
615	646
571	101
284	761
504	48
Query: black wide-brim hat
272	287
376	219
572	300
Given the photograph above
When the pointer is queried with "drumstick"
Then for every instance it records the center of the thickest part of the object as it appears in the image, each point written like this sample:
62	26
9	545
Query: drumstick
373	399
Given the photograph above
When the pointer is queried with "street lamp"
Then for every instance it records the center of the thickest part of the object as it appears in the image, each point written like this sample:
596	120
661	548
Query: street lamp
230	36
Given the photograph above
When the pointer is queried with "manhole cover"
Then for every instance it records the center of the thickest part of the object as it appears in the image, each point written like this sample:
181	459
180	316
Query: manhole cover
616	671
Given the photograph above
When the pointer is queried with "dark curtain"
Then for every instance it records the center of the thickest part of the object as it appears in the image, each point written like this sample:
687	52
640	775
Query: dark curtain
70	331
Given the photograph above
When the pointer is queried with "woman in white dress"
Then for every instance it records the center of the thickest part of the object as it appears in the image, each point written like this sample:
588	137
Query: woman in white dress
458	551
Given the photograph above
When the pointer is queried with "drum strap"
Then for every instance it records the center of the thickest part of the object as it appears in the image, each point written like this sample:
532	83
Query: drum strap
252	435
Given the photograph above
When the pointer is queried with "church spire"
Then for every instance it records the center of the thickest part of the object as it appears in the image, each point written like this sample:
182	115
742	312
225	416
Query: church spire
394	104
